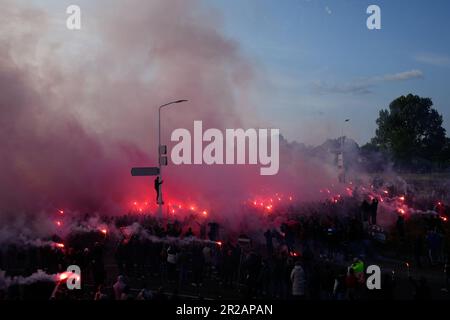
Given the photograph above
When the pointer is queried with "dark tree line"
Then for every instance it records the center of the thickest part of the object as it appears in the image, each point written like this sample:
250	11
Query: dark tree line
411	135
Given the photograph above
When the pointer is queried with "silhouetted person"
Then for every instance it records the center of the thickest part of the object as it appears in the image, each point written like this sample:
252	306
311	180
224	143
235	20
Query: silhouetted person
189	233
269	242
421	289
213	233
388	285
298	281
158	183
400	225
100	294
119	287
374	211
365	211
418	250
447	274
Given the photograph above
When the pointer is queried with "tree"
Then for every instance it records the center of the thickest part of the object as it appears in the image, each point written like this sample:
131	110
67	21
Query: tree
411	131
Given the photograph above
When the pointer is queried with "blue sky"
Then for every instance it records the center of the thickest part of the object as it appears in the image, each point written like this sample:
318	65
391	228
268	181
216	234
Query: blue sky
323	65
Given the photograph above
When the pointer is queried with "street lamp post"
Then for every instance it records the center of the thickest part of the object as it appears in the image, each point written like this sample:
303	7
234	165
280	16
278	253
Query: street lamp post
342	135
342	149
160	198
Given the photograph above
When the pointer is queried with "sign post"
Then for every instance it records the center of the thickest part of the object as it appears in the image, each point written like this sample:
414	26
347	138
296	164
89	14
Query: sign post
148	172
162	161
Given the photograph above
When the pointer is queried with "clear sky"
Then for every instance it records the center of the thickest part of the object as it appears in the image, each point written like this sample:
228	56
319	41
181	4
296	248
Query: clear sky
324	65
321	65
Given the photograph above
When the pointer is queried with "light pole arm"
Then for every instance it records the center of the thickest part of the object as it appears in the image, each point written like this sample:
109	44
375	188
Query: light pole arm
159	119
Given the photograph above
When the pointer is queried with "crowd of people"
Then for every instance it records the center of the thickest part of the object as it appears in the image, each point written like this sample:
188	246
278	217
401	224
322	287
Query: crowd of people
319	256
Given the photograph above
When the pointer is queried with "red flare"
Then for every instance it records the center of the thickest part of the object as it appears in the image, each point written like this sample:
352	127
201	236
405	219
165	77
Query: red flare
65	276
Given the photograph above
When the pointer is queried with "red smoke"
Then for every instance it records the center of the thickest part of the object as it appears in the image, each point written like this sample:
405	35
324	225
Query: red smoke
78	109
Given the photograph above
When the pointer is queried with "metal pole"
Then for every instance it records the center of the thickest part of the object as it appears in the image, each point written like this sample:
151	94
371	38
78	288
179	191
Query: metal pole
160	198
342	151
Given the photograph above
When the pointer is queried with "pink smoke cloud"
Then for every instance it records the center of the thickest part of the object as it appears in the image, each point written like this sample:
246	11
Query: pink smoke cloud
77	112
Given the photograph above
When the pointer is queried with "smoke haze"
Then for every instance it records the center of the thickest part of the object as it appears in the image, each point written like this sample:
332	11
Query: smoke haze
79	109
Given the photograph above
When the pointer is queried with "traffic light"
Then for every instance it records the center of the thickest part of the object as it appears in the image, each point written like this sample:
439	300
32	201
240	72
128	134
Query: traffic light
162	155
